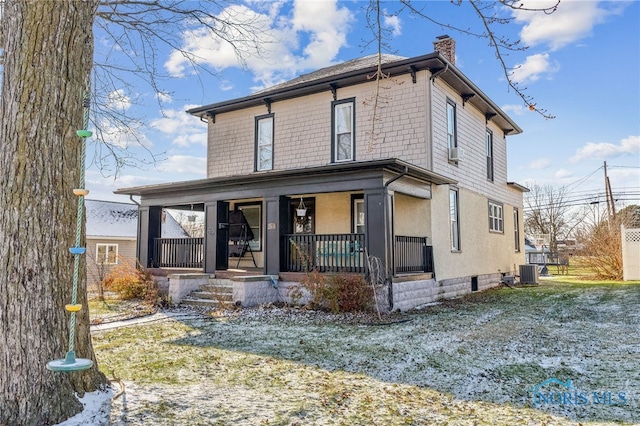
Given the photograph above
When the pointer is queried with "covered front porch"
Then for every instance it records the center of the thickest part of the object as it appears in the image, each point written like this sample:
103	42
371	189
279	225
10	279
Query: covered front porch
351	211
302	253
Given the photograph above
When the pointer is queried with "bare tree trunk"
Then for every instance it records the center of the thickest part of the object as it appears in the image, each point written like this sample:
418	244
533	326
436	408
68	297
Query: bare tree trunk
48	48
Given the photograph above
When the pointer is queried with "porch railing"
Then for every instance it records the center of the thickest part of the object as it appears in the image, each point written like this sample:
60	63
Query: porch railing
178	253
324	252
345	253
413	254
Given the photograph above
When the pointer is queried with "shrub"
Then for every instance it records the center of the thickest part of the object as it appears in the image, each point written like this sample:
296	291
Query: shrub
130	282
339	292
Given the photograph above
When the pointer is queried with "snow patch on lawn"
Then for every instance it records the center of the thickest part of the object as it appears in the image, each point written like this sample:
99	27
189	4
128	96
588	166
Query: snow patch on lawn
96	409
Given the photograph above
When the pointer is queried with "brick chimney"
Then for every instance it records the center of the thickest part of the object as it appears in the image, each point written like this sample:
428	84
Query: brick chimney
447	47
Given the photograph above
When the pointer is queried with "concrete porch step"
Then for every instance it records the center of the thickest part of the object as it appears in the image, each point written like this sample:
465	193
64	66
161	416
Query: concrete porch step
216	293
207	303
212	295
216	288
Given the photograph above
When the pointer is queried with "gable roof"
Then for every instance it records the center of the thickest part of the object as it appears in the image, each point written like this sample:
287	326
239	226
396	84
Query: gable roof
113	219
357	71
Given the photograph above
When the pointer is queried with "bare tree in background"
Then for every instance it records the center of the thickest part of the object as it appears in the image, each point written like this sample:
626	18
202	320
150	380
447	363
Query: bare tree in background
547	211
602	252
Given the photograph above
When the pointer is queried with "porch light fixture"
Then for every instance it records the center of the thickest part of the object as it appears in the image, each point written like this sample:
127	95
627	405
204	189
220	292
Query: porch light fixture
301	211
192	216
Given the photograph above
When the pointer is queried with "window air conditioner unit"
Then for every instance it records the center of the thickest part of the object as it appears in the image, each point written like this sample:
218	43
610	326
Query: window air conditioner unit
456	154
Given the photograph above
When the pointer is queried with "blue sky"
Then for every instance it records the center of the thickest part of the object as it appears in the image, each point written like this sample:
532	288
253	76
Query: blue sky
582	66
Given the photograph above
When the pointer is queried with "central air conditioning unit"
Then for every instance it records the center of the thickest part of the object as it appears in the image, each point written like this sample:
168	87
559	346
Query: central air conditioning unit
456	154
528	274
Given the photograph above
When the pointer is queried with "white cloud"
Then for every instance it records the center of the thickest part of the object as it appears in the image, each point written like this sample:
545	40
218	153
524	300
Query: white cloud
278	54
164	97
572	21
118	100
184	128
539	164
125	181
393	21
563	174
533	67
205	48
184	164
515	109
124	137
604	150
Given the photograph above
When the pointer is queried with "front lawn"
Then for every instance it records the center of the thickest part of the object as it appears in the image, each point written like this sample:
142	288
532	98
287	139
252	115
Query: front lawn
472	360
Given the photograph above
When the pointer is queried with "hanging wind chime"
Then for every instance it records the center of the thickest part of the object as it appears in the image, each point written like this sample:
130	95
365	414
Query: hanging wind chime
70	362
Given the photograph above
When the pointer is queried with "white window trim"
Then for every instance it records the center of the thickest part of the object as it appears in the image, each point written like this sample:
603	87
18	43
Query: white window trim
261	146
488	138
454	219
496	217
516	228
106	254
356	218
452	138
336	105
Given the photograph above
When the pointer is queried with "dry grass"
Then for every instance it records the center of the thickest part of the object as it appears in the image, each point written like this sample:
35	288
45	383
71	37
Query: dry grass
469	361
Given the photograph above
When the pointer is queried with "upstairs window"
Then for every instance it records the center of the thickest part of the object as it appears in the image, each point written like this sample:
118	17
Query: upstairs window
264	142
496	217
452	138
343	139
489	143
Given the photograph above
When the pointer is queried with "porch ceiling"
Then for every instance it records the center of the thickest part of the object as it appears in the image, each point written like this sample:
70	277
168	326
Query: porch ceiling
332	177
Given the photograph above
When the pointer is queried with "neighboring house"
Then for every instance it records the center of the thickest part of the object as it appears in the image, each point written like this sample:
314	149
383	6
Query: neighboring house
420	182
112	230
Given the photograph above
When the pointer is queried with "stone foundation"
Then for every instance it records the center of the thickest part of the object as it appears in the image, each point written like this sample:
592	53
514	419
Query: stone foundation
409	295
264	289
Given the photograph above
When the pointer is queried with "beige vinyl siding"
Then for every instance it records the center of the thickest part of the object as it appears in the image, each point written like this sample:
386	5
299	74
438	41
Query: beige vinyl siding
302	128
126	252
471	171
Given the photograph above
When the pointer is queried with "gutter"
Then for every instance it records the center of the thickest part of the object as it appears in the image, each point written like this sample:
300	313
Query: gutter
390	274
440	71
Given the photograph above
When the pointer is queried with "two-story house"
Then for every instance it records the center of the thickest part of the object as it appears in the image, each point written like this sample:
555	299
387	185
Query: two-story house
334	166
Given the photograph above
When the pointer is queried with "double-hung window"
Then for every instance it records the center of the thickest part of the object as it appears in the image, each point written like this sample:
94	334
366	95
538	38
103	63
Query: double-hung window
343	137
489	144
264	142
106	254
452	138
454	219
516	228
496	217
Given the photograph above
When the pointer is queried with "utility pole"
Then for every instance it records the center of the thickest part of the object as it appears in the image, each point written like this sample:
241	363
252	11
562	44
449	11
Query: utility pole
611	205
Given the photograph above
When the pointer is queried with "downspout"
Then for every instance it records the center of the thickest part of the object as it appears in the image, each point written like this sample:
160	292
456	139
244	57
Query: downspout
440	71
386	210
134	201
